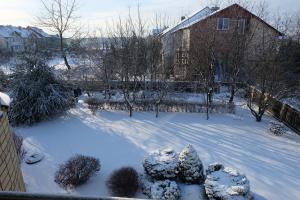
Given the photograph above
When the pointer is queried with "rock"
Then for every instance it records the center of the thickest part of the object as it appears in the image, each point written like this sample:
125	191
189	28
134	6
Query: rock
34	158
190	166
226	183
277	128
162	164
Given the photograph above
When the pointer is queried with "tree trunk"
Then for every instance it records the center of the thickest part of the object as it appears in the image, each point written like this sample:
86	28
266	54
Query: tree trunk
130	111
66	61
232	93
63	52
207	106
157	110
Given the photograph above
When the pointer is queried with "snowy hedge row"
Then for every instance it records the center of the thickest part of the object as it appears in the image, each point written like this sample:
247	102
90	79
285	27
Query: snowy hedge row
164	106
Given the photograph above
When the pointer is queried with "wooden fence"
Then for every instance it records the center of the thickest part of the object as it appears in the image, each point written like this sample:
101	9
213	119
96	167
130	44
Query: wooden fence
283	112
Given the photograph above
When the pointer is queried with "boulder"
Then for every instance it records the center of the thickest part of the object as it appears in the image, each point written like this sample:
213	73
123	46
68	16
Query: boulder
190	166
162	164
226	183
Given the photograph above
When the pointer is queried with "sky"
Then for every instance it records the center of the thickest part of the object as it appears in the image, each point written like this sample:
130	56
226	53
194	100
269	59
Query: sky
96	14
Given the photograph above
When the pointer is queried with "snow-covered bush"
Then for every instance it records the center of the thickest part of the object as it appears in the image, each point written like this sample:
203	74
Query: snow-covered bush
76	171
165	190
277	128
161	164
37	94
18	140
190	166
123	182
226	183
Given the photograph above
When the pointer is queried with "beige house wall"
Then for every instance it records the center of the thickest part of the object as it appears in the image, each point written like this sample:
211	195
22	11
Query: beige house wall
11	178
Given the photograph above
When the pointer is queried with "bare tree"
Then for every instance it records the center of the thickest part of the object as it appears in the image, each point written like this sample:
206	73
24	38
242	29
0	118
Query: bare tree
203	59
59	16
265	74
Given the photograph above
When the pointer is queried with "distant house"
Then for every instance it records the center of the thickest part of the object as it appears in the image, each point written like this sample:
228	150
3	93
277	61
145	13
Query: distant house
14	39
184	36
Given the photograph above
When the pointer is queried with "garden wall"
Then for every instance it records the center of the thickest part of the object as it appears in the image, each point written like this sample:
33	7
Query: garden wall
282	112
11	178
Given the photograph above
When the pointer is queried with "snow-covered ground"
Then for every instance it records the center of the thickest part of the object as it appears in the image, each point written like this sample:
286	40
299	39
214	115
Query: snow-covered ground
270	162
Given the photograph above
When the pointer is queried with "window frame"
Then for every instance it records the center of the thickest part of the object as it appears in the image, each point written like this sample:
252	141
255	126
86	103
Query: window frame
244	26
223	23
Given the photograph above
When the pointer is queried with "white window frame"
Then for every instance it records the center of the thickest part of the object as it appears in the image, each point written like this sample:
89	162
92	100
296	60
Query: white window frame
223	24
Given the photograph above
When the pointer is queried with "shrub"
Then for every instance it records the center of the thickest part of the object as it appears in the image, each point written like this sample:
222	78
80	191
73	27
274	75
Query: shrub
190	166
277	128
165	190
123	182
162	164
37	94
226	183
76	171
18	140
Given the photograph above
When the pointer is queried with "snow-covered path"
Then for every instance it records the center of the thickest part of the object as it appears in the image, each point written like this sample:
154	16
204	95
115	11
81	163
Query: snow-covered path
271	163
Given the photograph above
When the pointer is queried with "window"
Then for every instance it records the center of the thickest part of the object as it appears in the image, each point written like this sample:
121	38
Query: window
241	26
181	57
223	23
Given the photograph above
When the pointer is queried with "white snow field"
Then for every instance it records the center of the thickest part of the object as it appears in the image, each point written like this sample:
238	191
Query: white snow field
271	163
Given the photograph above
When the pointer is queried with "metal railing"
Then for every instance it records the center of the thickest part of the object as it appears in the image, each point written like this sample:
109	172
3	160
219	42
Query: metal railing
31	196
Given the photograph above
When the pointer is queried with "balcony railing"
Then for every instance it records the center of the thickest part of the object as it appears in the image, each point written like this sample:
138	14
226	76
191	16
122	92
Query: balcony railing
29	196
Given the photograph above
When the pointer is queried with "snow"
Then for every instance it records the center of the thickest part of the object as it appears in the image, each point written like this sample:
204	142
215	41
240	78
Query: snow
192	19
294	102
4	99
271	163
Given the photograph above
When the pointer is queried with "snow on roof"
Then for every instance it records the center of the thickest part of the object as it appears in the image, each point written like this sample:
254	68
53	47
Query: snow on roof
192	19
7	31
4	99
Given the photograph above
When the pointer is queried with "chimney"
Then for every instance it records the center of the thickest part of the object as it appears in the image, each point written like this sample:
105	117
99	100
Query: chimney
182	18
214	8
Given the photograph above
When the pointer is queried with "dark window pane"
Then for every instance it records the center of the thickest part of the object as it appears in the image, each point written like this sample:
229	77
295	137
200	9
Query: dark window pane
220	23
225	23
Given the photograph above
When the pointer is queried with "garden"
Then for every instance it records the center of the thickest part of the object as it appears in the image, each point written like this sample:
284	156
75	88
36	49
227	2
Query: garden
177	155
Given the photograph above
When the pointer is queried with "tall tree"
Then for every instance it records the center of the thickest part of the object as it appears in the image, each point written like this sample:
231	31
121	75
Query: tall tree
59	16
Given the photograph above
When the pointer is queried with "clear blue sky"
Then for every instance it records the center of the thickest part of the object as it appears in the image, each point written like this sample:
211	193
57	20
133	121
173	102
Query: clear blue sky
95	13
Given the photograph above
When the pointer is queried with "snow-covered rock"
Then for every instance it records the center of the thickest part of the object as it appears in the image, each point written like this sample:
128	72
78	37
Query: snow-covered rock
4	99
162	164
190	166
162	190
226	183
277	128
